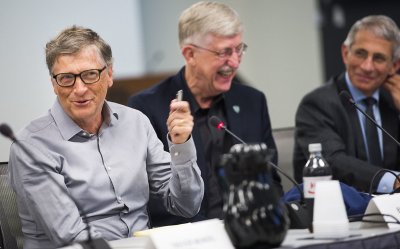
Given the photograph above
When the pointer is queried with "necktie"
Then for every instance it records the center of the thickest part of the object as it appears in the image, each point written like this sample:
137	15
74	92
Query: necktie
371	133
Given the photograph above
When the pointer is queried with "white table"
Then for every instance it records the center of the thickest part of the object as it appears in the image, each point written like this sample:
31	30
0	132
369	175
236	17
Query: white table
297	238
294	239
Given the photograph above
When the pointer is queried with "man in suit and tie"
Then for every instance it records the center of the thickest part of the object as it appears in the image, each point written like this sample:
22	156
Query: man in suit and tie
355	148
210	37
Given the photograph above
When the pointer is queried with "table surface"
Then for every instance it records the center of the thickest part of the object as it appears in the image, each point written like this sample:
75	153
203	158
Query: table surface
295	238
302	238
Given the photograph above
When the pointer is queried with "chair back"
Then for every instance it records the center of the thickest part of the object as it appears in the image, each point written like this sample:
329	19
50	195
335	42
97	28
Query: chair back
284	139
10	223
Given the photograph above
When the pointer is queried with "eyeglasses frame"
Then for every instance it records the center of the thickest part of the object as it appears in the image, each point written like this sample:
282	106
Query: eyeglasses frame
80	76
223	53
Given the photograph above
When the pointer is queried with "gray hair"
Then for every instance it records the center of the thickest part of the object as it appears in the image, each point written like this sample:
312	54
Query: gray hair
381	26
205	18
74	39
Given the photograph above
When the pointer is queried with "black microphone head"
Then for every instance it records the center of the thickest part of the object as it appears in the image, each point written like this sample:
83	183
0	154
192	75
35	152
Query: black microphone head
345	94
6	131
216	122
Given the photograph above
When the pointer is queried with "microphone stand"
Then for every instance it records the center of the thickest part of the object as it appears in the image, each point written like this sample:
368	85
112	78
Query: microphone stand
98	243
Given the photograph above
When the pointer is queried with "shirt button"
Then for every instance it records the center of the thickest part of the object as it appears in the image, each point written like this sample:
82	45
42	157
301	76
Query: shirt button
176	153
109	168
119	199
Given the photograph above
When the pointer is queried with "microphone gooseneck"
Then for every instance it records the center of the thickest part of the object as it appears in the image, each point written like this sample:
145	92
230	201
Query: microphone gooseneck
348	97
291	180
219	124
97	243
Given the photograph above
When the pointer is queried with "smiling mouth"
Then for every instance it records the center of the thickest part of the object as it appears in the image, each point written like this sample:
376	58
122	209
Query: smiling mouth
81	102
365	78
226	72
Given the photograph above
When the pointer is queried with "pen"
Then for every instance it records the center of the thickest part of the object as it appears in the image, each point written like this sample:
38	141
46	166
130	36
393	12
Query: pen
179	95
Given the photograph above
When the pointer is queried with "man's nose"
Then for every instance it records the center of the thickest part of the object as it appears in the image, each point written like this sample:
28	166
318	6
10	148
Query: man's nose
368	64
79	86
234	60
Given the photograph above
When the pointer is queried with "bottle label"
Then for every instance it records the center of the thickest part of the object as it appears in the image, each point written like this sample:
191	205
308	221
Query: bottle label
309	184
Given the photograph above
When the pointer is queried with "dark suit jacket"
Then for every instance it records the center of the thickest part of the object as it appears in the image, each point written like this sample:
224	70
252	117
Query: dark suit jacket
250	122
325	117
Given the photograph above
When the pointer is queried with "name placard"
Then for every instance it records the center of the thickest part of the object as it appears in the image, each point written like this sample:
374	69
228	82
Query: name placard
198	235
389	208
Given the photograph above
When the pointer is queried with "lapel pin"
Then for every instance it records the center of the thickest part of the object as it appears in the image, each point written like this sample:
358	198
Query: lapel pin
236	108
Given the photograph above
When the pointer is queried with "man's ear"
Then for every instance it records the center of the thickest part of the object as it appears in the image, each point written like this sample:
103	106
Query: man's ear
110	72
188	54
345	53
396	67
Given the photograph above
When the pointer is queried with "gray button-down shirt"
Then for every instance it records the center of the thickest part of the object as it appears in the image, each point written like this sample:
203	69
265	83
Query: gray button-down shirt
109	175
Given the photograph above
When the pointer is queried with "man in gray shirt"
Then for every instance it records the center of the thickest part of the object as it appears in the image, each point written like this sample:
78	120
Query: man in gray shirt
88	148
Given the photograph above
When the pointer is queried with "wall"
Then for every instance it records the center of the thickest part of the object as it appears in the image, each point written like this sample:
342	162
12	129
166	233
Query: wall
282	60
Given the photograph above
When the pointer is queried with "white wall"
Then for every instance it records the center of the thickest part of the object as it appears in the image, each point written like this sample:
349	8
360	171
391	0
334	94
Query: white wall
283	59
26	26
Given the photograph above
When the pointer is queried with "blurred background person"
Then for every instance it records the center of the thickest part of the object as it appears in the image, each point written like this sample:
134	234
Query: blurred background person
354	147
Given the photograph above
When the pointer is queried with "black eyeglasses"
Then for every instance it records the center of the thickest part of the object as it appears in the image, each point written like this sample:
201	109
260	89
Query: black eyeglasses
226	52
88	77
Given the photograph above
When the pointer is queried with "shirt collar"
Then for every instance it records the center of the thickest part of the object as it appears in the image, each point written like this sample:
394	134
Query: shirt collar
357	95
68	128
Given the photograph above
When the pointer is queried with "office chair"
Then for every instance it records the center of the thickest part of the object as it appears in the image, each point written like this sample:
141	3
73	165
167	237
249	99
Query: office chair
10	224
284	139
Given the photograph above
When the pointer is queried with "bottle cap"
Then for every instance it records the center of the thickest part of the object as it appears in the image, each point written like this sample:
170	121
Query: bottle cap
315	147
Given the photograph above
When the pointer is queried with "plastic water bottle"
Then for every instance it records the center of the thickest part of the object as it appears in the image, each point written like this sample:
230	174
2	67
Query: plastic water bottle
316	169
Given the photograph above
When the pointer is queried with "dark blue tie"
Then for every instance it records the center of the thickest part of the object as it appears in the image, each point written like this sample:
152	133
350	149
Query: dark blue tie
371	133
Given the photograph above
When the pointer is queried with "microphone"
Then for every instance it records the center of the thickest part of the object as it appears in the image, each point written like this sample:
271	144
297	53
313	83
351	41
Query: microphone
219	124
98	243
297	210
6	131
345	94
